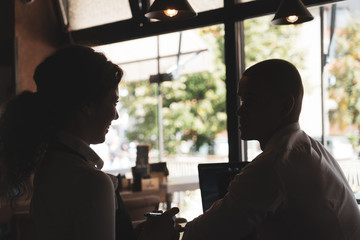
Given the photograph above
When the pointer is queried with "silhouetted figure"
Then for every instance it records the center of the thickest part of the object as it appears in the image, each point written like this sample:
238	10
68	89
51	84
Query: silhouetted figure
47	134
294	189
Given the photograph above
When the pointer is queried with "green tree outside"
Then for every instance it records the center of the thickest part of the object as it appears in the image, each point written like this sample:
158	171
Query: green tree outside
344	85
194	104
264	40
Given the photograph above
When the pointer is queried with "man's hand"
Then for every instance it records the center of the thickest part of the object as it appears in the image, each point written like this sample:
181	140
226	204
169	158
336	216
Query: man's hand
164	227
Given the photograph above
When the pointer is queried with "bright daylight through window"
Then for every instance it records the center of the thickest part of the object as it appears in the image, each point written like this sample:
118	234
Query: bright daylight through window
331	116
187	113
184	119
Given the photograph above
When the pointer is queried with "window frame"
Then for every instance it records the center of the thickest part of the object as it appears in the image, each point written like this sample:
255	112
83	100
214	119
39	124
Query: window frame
231	15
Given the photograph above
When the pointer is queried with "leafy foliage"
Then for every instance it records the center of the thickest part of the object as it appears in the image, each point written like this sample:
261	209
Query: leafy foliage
193	105
263	41
344	85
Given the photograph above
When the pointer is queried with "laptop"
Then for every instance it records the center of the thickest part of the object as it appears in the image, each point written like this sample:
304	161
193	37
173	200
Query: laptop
214	179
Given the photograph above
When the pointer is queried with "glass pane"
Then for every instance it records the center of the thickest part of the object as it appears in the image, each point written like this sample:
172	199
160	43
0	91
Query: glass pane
292	43
84	14
342	82
205	5
192	104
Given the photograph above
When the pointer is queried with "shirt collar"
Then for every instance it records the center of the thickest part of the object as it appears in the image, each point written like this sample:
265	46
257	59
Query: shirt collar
78	145
279	135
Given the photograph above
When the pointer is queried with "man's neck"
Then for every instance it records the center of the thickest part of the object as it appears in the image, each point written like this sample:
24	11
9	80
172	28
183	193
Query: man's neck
263	142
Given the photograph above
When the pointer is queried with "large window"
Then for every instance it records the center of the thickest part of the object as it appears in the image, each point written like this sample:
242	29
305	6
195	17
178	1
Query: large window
183	118
331	105
342	87
292	43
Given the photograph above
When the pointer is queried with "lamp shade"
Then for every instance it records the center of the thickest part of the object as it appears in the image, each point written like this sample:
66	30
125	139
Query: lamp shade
291	12
171	10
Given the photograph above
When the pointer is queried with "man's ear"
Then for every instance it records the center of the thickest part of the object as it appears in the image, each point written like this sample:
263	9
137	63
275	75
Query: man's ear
288	105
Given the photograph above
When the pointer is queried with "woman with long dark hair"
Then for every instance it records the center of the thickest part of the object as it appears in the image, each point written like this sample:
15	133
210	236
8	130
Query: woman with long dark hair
47	133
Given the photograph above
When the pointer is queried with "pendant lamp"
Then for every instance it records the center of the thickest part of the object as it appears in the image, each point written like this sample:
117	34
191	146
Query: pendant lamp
291	12
171	10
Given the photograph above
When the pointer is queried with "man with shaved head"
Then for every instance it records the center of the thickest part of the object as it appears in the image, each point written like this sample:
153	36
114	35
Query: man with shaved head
294	189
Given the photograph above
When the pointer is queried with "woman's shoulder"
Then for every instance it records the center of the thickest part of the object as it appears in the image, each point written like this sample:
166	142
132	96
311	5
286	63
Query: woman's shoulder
65	161
71	168
68	175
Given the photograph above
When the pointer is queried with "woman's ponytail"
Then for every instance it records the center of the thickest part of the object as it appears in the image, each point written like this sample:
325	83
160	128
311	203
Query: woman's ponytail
24	128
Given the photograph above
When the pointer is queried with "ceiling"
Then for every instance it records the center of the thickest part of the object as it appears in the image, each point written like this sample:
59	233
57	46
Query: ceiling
82	14
98	22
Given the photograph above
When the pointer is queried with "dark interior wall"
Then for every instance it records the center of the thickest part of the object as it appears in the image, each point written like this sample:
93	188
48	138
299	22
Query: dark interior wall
37	34
7	70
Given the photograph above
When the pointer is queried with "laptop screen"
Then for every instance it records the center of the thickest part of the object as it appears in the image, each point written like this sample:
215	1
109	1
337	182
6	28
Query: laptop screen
214	179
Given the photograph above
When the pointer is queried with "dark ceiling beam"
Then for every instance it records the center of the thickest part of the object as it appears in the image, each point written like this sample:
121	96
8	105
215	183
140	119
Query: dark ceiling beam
133	28
62	19
137	11
134	7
